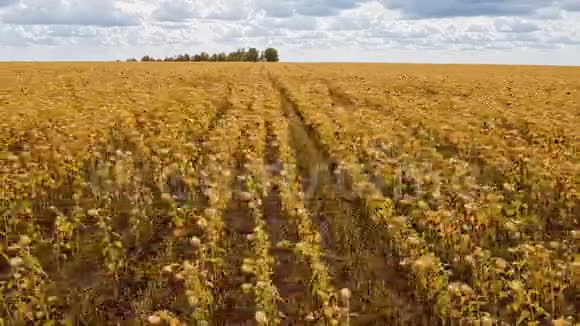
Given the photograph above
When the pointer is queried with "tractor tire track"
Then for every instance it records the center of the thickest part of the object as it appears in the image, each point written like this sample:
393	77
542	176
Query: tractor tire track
356	250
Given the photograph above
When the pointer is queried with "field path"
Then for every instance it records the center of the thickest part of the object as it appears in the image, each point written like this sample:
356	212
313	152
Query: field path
353	248
290	274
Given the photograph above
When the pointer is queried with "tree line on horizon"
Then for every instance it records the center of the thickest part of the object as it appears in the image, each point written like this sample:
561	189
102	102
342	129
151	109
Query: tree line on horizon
240	55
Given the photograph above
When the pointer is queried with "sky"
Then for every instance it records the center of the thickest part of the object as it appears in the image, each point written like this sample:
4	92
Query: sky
435	31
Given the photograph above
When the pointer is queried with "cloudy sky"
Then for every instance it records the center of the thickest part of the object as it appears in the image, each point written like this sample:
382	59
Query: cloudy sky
461	31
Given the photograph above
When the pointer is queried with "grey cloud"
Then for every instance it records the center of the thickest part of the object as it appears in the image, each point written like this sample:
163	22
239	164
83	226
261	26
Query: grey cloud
417	9
477	29
276	8
6	3
174	11
502	25
287	8
183	10
180	10
564	40
548	13
571	5
57	12
323	8
48	41
521	38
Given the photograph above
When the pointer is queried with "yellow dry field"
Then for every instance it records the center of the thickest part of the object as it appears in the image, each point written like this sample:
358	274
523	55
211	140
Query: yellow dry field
289	194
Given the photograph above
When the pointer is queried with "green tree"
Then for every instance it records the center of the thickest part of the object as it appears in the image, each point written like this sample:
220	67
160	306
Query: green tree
238	55
241	54
271	55
182	57
252	55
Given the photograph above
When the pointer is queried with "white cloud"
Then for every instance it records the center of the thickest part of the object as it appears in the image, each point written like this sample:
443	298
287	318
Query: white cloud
72	12
302	29
296	23
516	26
229	10
185	10
65	31
174	11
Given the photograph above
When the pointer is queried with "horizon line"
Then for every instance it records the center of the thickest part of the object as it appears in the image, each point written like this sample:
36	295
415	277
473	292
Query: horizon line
305	62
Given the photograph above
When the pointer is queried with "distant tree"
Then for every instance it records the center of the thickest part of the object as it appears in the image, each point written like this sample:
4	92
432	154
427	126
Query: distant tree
238	55
271	55
182	57
131	60
252	55
241	54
